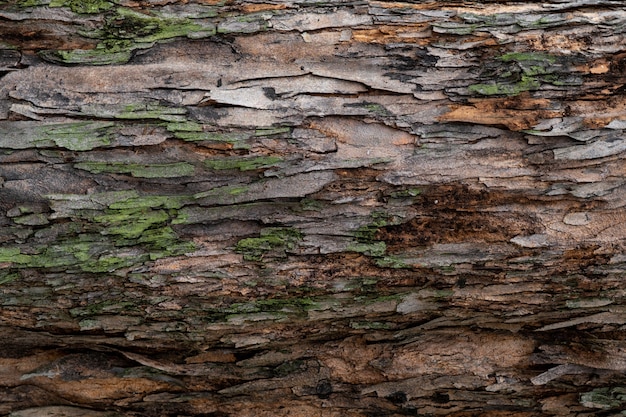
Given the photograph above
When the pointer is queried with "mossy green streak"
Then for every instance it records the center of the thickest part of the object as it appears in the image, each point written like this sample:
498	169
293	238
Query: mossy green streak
278	239
527	71
83	6
13	255
81	136
123	32
606	398
131	223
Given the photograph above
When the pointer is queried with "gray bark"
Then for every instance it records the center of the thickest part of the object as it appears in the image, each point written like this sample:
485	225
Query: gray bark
298	208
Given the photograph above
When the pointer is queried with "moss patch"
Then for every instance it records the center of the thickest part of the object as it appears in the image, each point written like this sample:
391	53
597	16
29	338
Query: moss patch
528	57
237	140
277	240
13	255
123	32
270	131
517	72
606	398
150	201
184	127
131	223
108	231
81	136
36	219
370	249
367	233
7	277
80	254
525	84
391	261
83	6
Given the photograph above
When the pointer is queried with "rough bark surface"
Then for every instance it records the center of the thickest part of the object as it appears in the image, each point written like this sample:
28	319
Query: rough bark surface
352	208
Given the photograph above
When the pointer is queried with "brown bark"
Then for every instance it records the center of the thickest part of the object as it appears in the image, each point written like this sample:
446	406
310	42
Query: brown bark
298	209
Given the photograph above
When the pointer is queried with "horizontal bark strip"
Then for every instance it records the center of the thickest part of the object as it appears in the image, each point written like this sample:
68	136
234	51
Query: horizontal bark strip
230	208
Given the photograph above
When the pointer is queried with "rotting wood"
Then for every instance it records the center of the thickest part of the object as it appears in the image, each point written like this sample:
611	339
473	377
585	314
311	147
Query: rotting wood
356	208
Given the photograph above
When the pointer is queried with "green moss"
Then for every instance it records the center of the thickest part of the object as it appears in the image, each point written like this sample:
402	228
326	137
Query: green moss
173	248
151	201
376	298
173	170
82	136
269	131
97	251
143	227
606	398
455	28
79	136
158	238
32	3
124	32
391	261
238	140
37	219
309	204
367	233
359	285
370	325
83	6
62	255
143	28
243	164
111	263
443	293
237	190
370	249
408	193
184	127
525	84
527	72
131	223
275	239
7	277
528	56
13	255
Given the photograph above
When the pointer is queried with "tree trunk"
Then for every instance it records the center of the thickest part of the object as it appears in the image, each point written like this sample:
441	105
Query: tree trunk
353	208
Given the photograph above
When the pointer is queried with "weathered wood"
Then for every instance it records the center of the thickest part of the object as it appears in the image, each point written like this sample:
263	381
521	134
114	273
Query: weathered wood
356	208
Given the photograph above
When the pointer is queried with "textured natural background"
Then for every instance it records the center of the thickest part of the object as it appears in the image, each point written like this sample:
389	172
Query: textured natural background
302	208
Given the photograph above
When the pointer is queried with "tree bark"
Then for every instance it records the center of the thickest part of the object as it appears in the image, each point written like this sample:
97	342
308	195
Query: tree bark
356	208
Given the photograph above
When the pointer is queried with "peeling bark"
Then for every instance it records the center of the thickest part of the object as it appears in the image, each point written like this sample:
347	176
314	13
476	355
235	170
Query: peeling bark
359	208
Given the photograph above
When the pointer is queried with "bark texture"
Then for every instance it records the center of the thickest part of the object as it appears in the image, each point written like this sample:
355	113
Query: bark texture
352	208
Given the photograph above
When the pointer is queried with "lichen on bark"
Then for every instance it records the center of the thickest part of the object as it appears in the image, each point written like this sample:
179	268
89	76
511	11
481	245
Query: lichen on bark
353	208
